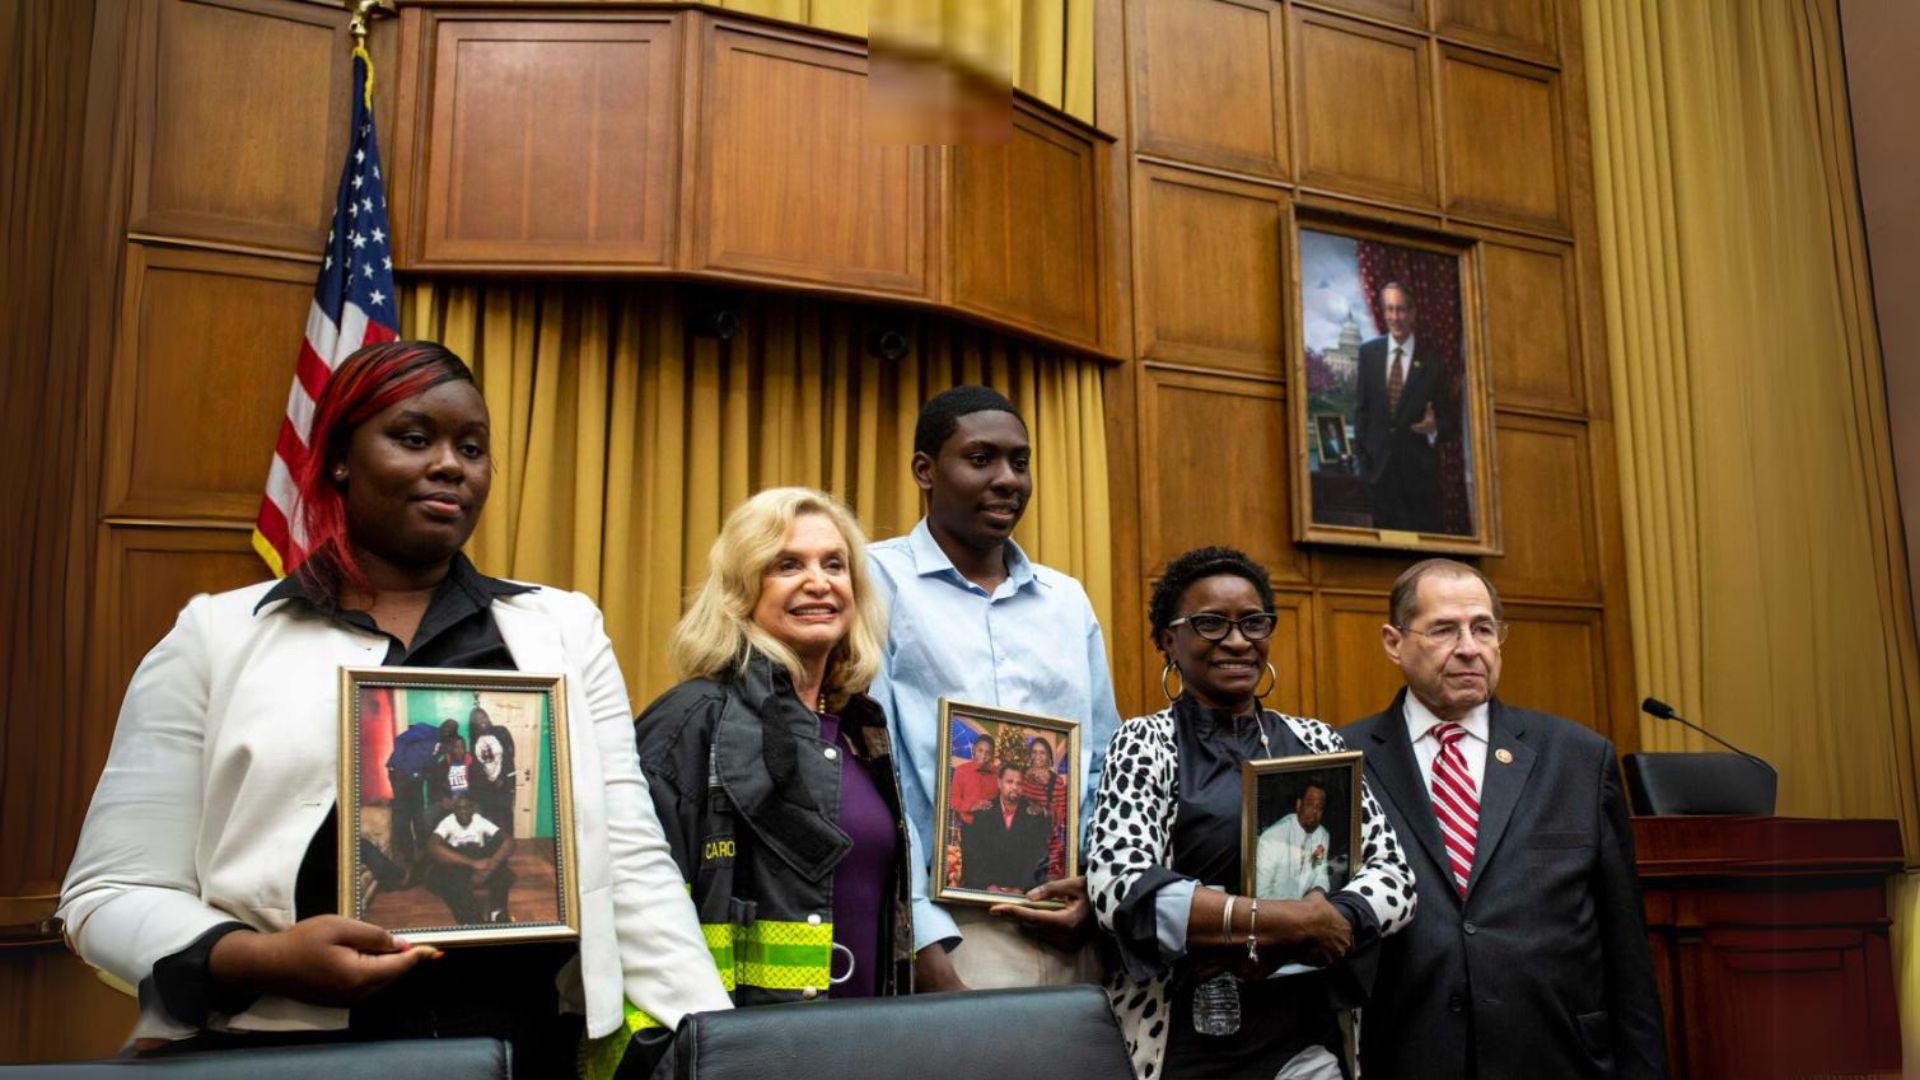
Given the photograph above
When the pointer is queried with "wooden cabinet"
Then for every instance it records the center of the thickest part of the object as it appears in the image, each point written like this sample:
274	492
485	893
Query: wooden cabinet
680	142
1770	943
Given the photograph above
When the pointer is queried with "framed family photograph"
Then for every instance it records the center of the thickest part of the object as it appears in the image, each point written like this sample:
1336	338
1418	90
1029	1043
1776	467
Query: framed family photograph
456	805
1392	428
1299	824
1006	812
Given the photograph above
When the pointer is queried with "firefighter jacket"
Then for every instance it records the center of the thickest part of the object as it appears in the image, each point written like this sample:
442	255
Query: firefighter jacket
749	797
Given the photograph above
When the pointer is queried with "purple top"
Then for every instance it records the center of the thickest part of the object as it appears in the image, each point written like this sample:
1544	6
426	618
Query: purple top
860	881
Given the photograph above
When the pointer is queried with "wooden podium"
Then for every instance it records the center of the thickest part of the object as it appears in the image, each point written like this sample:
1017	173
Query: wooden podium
1770	943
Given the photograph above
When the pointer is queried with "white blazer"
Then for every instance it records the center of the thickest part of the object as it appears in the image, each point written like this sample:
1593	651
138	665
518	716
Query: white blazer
224	764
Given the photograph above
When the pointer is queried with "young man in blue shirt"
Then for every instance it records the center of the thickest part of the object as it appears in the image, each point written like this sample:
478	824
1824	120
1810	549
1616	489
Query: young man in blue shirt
974	620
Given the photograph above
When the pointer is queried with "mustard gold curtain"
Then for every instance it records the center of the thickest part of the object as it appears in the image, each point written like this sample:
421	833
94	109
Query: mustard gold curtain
1765	555
622	440
1050	41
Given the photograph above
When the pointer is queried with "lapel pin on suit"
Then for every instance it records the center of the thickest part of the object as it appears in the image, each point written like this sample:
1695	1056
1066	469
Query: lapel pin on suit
1503	755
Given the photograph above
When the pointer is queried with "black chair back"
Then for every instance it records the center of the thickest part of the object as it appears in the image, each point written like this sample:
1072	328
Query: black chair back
1699	784
451	1059
1051	1033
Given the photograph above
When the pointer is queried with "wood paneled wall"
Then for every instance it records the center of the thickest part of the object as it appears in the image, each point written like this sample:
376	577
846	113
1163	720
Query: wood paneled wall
1466	115
187	195
737	151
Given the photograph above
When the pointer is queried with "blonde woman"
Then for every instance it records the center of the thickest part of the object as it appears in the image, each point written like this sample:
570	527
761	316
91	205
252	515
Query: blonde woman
771	770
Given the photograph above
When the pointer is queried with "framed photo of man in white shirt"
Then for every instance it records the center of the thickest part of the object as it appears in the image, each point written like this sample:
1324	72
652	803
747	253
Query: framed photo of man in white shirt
1299	824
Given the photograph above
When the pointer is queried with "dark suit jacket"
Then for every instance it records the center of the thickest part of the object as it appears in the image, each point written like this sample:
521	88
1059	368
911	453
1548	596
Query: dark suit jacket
1012	858
1383	436
1543	970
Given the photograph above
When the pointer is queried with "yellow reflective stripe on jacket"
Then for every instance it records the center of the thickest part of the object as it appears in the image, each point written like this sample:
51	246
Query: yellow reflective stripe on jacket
600	1058
719	937
776	955
771	954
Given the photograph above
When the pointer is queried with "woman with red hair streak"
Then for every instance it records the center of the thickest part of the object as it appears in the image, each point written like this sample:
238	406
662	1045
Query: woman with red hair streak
206	868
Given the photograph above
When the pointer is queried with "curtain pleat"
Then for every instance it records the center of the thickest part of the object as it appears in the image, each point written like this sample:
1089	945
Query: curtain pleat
1766	561
1765	556
622	440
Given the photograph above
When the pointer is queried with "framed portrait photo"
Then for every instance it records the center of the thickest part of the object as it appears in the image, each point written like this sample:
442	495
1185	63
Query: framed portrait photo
1006	812
1392	430
456	805
1299	824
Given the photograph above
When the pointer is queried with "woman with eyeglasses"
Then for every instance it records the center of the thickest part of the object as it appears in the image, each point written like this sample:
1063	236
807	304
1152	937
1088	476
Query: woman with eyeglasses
1163	854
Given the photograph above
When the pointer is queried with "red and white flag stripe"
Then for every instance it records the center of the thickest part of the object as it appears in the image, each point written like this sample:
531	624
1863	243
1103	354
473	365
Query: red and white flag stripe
277	534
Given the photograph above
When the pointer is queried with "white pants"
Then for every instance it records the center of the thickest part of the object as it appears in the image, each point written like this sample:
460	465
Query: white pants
993	954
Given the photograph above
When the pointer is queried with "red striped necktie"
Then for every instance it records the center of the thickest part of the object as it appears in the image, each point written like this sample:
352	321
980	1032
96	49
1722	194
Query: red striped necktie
1456	801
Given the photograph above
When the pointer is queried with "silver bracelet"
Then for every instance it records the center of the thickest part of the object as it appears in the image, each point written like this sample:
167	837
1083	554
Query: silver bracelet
1226	920
1253	926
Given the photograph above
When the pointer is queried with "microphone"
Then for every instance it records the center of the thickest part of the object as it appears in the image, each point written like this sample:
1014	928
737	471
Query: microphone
1655	707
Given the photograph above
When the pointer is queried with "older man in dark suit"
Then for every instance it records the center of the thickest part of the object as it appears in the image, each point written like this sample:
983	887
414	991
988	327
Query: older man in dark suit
1529	957
1396	425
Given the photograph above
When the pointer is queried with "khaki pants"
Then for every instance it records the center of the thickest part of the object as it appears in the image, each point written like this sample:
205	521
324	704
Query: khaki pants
994	955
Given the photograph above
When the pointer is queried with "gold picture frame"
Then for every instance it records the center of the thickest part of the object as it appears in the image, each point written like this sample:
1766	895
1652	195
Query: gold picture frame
429	758
1419	472
1275	797
975	863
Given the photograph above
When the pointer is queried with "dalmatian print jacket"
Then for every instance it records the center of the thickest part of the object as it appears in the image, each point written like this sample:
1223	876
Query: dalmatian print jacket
1132	830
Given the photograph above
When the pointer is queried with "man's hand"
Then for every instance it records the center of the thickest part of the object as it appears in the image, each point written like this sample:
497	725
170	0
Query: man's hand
1068	927
1427	425
323	960
933	972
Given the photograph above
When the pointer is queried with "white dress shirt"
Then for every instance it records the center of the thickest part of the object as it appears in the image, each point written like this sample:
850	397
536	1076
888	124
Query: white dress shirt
1420	720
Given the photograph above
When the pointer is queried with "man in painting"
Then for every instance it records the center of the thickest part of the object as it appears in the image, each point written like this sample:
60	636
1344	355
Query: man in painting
1395	420
974	783
1292	854
1005	848
469	857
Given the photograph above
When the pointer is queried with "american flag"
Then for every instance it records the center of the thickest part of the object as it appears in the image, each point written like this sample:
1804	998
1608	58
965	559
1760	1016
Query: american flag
354	304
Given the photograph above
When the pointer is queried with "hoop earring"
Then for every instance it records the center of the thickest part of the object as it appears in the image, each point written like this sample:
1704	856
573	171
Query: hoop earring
1261	695
1164	672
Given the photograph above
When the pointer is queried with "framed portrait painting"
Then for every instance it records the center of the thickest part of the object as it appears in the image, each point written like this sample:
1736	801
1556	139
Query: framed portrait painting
456	806
1006	809
1392	425
1299	824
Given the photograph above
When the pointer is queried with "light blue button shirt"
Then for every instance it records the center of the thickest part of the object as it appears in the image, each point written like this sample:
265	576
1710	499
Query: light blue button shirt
1032	645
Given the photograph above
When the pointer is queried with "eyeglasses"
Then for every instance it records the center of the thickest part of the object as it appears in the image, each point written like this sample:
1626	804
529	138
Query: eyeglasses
1486	632
1255	627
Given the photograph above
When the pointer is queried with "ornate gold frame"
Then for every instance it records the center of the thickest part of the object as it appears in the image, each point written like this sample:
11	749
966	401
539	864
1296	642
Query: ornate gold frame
1483	471
1250	774
937	843
566	881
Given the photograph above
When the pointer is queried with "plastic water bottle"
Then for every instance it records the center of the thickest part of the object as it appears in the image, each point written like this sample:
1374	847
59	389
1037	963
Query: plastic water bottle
1216	1005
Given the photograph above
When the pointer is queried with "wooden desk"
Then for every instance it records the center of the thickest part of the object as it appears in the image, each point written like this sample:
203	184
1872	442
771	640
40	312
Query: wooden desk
1770	943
